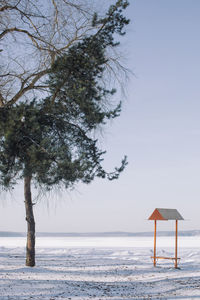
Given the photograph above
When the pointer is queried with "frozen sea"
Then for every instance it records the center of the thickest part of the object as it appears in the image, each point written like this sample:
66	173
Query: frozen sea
99	268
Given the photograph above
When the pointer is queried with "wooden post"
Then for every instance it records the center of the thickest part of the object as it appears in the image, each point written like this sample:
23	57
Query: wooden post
154	254
176	244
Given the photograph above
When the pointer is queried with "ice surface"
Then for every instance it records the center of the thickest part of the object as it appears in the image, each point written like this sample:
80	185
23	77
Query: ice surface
99	268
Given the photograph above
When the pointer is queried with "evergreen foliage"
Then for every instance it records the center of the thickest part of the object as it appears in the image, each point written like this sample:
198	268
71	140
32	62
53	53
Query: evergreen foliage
44	142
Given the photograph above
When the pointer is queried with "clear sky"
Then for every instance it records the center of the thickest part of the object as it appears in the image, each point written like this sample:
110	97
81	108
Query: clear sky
159	130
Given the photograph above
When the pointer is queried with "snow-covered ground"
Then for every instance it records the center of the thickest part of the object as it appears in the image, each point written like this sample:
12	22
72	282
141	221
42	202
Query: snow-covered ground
99	268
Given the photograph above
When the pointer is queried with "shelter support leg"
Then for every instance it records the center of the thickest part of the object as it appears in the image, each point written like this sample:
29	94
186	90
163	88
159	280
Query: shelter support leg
154	253
176	244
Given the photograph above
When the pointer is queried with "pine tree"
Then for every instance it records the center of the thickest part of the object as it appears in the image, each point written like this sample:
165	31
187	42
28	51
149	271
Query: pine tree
50	142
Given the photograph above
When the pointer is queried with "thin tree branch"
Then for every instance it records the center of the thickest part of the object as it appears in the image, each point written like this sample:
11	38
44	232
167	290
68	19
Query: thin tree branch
24	89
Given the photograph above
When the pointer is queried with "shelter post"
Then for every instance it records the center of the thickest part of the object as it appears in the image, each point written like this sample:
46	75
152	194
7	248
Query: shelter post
154	254
176	244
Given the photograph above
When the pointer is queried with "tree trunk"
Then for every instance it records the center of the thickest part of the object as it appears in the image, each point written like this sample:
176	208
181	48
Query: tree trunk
30	246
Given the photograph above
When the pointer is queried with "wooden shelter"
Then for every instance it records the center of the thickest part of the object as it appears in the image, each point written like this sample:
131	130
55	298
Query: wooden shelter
165	214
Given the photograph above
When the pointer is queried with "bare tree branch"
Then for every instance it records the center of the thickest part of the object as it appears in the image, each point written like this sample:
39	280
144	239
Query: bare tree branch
29	87
32	36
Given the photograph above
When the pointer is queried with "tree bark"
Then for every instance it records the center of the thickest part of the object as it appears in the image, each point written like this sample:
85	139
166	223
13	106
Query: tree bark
30	246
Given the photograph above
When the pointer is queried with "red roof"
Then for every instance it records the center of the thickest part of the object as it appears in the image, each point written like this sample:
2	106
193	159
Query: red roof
165	214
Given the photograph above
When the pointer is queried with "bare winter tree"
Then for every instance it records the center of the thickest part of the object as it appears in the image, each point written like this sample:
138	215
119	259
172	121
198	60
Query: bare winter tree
32	35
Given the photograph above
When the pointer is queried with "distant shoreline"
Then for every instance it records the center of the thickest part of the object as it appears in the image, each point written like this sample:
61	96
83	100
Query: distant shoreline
100	234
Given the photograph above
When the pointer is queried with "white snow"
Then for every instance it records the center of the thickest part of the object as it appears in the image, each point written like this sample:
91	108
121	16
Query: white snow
99	268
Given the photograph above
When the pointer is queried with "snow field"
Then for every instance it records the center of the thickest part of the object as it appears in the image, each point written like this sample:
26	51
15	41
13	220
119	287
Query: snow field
99	268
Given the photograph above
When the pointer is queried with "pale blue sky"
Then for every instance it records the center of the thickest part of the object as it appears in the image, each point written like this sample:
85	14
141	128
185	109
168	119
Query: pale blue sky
159	130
